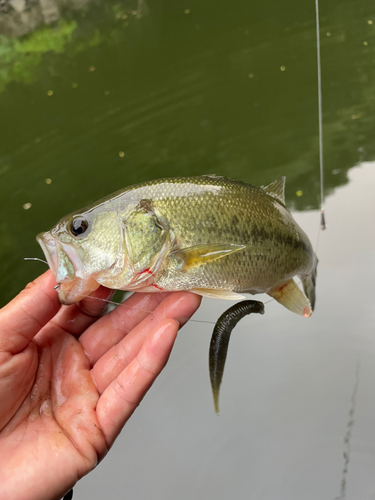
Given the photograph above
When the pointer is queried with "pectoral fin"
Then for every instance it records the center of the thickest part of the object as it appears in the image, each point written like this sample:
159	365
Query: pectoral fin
197	255
291	297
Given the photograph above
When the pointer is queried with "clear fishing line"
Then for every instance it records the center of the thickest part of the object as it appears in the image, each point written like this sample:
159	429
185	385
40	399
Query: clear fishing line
35	258
116	304
320	117
320	127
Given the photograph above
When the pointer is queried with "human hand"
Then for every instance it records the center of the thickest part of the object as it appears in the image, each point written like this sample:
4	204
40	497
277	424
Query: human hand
69	380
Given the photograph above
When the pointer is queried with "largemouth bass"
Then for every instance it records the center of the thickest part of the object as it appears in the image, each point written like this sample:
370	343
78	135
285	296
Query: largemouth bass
210	235
213	236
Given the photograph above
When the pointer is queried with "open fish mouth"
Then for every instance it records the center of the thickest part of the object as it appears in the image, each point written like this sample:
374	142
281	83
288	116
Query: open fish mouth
62	258
65	265
48	244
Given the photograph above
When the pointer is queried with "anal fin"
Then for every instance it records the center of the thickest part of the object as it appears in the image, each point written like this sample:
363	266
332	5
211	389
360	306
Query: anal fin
291	297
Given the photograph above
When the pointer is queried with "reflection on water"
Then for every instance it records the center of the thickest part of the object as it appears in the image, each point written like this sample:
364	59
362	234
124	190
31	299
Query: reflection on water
348	435
118	92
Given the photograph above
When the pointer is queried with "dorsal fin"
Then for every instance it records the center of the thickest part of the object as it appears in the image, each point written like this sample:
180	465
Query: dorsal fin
277	189
214	176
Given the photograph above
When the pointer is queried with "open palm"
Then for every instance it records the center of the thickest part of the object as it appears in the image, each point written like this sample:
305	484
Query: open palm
69	381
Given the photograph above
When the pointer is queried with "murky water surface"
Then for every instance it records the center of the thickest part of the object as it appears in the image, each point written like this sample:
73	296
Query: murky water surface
116	93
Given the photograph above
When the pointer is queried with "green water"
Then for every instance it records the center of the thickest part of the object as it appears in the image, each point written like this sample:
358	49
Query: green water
180	88
123	92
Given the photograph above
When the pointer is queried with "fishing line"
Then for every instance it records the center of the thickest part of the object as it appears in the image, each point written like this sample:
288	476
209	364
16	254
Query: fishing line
320	126
108	301
35	258
320	115
116	304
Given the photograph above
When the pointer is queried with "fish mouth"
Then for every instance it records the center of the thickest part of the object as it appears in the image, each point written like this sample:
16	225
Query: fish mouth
48	244
75	290
62	258
64	263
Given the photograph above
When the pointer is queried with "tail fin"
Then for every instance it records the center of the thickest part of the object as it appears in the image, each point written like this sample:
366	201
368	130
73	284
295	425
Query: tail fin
309	283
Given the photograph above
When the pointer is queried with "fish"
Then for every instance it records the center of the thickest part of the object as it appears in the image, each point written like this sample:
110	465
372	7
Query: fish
211	235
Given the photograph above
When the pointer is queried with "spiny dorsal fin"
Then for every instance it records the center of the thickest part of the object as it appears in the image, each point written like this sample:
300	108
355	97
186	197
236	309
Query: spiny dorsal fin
214	176
277	189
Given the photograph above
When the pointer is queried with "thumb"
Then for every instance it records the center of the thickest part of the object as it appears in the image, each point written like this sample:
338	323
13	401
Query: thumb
26	314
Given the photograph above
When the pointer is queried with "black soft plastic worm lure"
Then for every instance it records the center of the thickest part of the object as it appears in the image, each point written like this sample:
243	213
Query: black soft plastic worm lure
220	340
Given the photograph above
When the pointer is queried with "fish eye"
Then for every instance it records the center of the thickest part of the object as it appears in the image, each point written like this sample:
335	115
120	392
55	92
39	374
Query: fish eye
78	226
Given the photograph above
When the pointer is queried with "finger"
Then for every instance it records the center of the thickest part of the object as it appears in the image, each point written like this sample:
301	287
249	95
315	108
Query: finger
179	306
76	318
108	332
26	314
124	394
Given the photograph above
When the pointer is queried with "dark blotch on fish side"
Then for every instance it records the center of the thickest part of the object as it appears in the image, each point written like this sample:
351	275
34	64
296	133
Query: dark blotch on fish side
220	340
261	234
